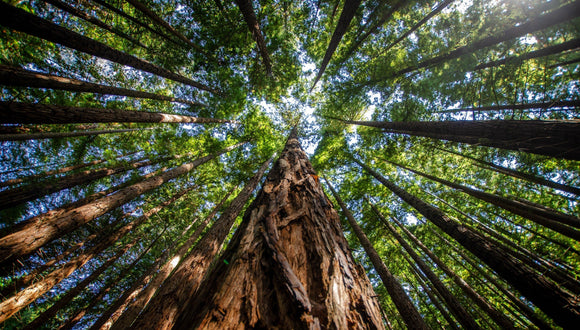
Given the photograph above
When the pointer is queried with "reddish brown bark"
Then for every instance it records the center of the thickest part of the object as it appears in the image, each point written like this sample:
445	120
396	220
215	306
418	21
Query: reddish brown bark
407	310
13	76
163	310
38	231
250	17
550	298
20	20
287	264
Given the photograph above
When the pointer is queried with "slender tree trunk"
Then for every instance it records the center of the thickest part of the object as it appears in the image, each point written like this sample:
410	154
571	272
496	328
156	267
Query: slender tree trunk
556	138
14	76
141	301
550	298
525	106
496	316
250	17
25	297
34	233
464	318
517	174
105	290
30	113
288	263
59	135
20	20
348	11
549	218
564	63
407	310
81	14
170	300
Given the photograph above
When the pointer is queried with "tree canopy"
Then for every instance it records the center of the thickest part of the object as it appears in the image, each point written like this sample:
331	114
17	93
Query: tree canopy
448	133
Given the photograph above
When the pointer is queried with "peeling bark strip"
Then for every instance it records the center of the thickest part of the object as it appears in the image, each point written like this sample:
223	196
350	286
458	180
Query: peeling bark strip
248	11
30	113
38	231
179	288
287	264
557	303
13	76
20	20
556	138
404	305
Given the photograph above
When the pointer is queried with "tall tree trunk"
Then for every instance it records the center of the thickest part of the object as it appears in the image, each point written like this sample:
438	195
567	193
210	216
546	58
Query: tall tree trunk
14	76
34	233
551	299
35	113
141	301
59	135
163	310
554	220
288	263
556	138
524	106
25	297
464	318
73	319
517	174
250	17
348	11
81	14
20	20
496	316
407	310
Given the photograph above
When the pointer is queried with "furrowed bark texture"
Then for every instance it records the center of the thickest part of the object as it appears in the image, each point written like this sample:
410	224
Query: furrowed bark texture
557	303
13	76
30	113
288	263
164	308
20	20
404	305
38	231
555	138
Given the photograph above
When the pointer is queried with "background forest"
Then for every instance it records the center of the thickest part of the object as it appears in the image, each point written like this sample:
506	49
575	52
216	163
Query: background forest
128	127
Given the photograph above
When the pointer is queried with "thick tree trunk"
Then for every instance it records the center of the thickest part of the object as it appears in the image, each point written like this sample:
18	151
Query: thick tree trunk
38	231
287	264
30	113
250	17
499	318
20	20
348	11
556	138
59	135
549	218
13	76
404	305
517	174
81	14
141	301
25	297
163	310
551	299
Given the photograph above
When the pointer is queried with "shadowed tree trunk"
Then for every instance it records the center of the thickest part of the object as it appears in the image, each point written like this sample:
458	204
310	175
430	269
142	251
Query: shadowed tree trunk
31	113
525	106
141	301
36	232
348	11
287	264
557	303
58	135
404	305
164	308
556	138
250	17
13	76
20	20
25	297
